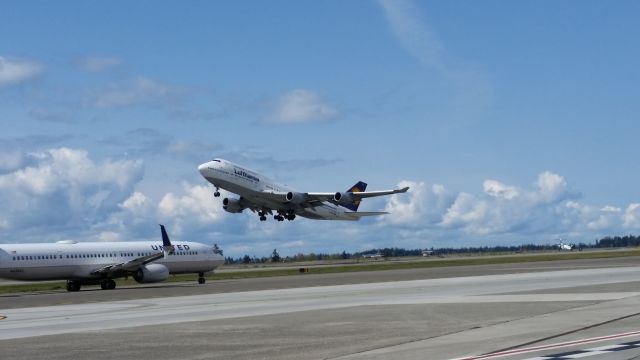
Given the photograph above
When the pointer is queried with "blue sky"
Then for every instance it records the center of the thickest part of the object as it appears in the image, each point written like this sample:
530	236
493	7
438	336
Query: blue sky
513	122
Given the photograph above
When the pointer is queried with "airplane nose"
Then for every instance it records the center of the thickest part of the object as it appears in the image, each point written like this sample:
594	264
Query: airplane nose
202	168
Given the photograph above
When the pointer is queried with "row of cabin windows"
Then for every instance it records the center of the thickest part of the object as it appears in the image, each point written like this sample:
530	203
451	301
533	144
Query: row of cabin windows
82	256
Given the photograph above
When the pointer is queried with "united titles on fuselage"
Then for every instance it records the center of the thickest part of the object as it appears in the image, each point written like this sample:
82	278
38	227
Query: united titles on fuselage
179	247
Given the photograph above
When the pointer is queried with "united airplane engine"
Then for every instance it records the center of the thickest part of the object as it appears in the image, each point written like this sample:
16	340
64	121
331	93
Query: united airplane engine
151	273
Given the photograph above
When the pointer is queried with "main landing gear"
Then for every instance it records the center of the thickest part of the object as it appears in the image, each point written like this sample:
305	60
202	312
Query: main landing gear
105	284
73	285
201	279
263	215
108	284
289	215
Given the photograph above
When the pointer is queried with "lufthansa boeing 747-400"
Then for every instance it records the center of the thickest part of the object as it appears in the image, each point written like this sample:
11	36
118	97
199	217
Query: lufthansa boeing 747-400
102	262
264	196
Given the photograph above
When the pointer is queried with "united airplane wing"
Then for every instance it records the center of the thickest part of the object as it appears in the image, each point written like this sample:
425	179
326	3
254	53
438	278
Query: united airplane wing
135	264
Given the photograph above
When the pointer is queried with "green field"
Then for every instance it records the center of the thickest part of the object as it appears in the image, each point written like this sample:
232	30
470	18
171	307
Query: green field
293	270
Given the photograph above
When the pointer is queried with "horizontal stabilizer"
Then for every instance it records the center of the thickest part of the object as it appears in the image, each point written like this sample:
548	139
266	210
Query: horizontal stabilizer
367	213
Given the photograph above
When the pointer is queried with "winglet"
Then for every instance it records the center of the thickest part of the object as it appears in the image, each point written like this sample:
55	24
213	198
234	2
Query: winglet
166	243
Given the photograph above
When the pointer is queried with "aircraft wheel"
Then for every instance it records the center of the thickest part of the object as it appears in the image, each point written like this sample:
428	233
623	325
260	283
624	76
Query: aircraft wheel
263	218
104	285
112	284
73	285
216	194
201	280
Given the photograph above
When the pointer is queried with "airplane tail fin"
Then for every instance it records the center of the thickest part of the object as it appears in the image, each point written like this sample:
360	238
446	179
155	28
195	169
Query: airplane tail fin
358	187
166	243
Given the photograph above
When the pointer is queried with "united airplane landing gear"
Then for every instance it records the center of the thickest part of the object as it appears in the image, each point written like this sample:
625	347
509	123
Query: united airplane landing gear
73	285
201	279
108	284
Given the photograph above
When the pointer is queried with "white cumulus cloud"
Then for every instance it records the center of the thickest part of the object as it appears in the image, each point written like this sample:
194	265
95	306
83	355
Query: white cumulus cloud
301	106
548	208
422	203
137	204
631	216
195	206
15	71
497	189
65	188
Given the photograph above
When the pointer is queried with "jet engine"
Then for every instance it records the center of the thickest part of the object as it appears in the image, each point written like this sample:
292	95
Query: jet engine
294	197
232	205
343	198
151	273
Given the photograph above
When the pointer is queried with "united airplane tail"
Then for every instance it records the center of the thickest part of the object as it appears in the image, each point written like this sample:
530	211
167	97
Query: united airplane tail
358	187
167	247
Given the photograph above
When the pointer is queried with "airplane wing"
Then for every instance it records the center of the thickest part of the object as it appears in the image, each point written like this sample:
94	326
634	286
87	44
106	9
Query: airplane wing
135	264
304	200
368	194
312	199
354	194
129	266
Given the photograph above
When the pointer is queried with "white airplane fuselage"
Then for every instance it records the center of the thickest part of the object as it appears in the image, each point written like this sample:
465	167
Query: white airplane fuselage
252	186
77	261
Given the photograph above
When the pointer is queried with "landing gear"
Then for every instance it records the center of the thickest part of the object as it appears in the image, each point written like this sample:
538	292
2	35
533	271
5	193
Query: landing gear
263	216
282	215
73	285
201	279
108	284
217	192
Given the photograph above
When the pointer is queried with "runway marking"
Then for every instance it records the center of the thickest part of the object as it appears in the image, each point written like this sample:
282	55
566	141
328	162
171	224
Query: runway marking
551	347
590	352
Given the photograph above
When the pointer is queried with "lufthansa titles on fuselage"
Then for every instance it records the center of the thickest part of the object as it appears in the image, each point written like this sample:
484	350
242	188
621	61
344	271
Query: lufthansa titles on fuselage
244	174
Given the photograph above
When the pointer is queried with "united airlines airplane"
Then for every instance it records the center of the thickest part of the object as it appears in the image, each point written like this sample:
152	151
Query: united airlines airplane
264	196
101	262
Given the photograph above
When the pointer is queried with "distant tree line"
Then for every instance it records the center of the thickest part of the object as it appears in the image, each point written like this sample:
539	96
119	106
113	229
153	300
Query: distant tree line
618	241
606	242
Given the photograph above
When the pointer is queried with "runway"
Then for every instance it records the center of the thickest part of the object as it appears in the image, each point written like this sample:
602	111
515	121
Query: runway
552	308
